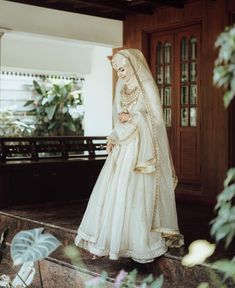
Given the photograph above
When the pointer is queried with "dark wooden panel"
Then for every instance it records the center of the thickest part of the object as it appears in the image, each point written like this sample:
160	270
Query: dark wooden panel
105	8
188	164
26	178
214	16
214	116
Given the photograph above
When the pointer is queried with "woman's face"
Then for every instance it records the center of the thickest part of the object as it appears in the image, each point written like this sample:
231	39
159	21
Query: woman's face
122	67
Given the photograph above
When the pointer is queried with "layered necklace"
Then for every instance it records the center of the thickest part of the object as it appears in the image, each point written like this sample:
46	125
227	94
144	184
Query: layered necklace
129	96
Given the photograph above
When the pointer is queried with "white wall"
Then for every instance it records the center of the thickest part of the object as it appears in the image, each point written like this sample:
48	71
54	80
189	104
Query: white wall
22	53
98	94
32	19
47	54
46	40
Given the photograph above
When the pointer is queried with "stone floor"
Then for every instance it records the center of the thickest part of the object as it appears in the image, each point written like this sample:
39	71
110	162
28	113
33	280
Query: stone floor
193	219
62	220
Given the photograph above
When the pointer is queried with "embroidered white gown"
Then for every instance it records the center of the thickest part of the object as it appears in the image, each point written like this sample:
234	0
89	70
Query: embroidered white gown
118	218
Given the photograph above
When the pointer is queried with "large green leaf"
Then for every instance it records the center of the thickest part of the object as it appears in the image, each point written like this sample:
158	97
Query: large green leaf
50	111
39	88
230	176
29	102
226	266
52	125
69	87
56	89
228	97
70	125
44	100
63	91
51	97
32	245
227	195
158	282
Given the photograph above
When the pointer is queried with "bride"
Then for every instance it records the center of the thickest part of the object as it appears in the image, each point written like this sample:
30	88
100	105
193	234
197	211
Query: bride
131	211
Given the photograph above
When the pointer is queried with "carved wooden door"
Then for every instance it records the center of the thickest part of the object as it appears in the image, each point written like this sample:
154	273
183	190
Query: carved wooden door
175	64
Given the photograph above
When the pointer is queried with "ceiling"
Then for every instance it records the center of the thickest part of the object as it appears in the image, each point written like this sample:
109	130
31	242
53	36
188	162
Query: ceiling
113	9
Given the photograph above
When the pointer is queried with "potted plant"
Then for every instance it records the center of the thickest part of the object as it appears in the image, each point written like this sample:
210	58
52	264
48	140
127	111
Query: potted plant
58	108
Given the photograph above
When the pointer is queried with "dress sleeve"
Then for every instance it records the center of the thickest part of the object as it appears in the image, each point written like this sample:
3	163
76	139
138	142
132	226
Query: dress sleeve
124	132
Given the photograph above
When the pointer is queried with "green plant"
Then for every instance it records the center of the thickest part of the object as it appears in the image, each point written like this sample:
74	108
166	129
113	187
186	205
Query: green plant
124	279
27	248
57	107
225	64
11	126
223	226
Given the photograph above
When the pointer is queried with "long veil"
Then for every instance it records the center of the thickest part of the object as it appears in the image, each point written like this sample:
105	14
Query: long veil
164	219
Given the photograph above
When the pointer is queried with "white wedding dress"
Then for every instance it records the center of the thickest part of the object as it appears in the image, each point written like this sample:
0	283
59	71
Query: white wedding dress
118	218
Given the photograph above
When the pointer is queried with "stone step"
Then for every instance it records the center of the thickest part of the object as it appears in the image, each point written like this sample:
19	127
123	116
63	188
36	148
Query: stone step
59	271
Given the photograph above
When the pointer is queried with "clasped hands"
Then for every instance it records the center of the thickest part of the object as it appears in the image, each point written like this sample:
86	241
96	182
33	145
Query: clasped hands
124	117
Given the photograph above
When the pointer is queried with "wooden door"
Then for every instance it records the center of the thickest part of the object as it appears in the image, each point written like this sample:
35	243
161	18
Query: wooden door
175	64
162	66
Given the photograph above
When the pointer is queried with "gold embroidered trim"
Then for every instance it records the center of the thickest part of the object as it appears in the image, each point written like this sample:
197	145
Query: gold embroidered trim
85	243
147	167
166	231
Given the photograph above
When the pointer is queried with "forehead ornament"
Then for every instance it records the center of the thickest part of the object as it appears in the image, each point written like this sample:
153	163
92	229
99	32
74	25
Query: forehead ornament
119	61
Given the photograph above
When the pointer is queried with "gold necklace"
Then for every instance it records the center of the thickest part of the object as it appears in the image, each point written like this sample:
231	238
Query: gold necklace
129	96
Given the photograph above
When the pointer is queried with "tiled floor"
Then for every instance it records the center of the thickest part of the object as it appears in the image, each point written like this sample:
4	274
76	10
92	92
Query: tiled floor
62	219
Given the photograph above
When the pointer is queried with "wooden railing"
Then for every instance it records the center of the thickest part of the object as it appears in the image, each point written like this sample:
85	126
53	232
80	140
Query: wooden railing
39	148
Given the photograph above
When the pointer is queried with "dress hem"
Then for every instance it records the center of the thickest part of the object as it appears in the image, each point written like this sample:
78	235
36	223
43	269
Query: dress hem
84	241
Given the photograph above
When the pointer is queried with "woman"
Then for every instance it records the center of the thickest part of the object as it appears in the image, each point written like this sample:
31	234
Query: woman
131	211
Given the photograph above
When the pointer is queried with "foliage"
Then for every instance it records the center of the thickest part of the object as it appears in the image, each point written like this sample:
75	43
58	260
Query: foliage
126	280
123	279
32	245
11	126
226	266
27	247
57	107
224	224
224	75
225	64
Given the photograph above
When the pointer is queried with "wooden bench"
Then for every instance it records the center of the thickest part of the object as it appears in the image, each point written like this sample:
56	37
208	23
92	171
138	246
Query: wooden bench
49	169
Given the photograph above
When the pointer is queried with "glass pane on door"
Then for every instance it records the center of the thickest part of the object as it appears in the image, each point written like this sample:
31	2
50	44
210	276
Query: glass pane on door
193	117
159	51
167	100
167	116
184	95
184	117
193	48
184	72
184	49
193	94
167	53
